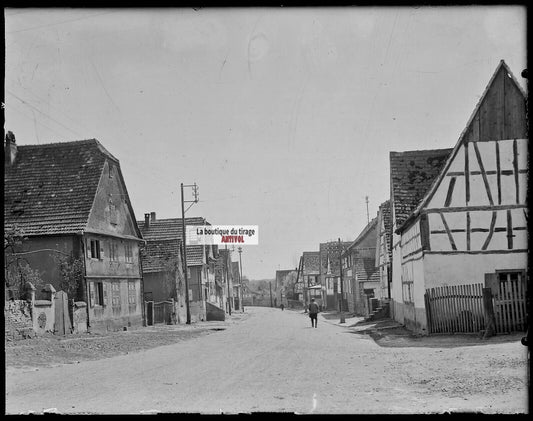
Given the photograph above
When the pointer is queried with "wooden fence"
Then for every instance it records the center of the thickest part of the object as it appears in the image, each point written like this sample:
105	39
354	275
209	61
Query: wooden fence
510	306
455	309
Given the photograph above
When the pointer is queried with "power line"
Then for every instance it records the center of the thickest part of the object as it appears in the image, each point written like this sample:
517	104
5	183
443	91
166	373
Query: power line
46	115
57	23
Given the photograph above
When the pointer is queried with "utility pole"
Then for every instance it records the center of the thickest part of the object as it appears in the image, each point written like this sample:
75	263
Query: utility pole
367	215
270	285
185	274
227	278
240	278
342	320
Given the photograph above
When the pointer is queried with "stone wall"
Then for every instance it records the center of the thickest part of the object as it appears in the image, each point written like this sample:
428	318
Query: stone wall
18	320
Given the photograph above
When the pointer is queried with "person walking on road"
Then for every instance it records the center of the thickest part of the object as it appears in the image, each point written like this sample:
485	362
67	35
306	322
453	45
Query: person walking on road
313	312
282	306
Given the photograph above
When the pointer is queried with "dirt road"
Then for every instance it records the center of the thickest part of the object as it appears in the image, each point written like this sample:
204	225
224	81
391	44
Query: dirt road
274	361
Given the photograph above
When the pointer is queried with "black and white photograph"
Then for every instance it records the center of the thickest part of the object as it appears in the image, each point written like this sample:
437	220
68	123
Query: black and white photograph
285	210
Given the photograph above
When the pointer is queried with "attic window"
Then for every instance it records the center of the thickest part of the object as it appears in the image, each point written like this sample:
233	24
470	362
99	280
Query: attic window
110	171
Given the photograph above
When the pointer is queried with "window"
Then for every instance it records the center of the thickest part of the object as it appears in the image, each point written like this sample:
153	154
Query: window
98	294
115	297
94	249
132	296
128	253
113	255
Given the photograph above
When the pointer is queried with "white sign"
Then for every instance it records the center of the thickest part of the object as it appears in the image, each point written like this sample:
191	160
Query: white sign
197	235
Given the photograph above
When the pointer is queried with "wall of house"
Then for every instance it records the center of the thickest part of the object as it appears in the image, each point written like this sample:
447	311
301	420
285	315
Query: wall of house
46	261
397	306
111	213
160	285
120	306
462	269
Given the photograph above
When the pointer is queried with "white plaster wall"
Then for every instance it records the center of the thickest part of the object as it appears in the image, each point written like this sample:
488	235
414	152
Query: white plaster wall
462	269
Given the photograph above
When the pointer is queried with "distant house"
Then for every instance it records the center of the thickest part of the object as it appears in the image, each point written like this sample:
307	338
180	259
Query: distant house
285	283
237	286
162	268
311	277
162	231
361	276
384	248
226	271
469	223
71	202
330	274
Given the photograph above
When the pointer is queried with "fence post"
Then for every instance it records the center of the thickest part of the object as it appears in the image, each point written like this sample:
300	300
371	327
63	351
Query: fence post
490	323
428	312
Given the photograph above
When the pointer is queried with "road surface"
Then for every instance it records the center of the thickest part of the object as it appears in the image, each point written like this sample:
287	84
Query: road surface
275	361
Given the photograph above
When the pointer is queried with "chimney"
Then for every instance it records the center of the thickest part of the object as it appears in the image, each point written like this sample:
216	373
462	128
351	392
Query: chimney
152	216
146	220
10	148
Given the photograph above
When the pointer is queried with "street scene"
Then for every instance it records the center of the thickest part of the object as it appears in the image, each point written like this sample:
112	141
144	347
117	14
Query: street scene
266	362
307	210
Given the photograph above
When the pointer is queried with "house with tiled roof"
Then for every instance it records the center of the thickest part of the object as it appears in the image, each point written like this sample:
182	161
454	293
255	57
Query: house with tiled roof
330	273
411	176
285	285
470	224
164	239
360	274
70	201
312	287
384	248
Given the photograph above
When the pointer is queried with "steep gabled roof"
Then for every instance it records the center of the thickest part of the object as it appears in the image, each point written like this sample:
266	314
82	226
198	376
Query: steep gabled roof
366	230
330	252
311	262
502	75
412	173
50	188
384	216
171	229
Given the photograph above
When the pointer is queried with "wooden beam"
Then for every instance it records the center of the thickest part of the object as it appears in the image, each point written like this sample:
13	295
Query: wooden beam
510	234
468	230
450	236
473	208
498	174
515	169
449	195
458	252
483	174
491	231
467	174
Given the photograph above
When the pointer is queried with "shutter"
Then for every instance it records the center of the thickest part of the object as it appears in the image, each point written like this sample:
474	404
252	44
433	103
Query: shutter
91	294
104	288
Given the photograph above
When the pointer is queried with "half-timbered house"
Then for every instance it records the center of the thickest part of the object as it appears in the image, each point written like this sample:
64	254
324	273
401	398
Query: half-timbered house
471	224
70	201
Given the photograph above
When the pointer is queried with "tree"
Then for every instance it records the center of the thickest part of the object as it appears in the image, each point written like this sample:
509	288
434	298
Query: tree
71	271
17	270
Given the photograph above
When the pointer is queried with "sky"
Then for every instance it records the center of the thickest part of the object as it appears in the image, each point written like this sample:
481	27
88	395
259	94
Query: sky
283	117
